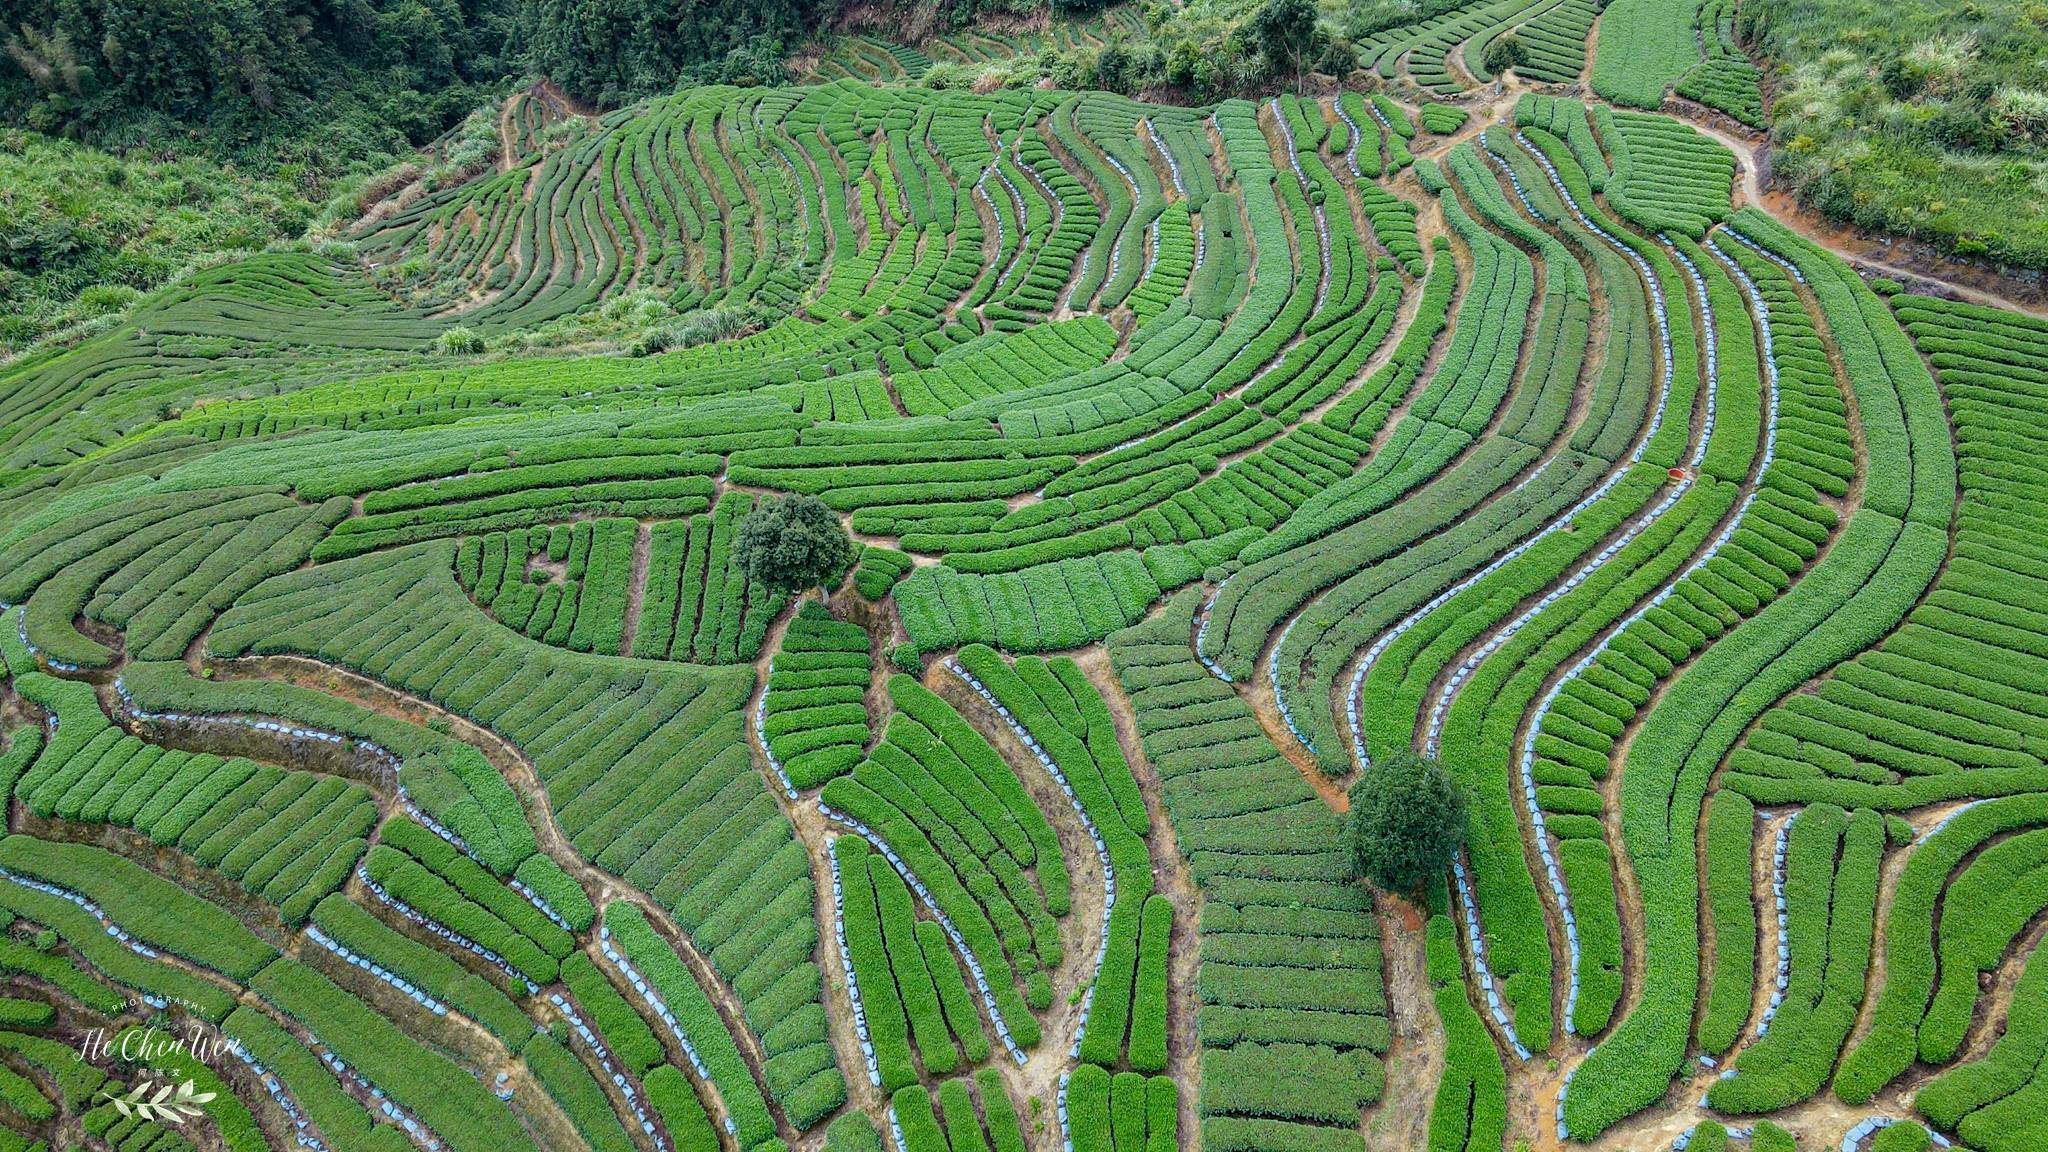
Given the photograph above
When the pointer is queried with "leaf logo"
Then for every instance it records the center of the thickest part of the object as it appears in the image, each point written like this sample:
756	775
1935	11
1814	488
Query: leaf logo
160	1102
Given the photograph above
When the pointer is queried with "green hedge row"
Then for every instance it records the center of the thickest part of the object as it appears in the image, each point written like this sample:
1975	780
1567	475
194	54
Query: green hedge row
675	1101
449	780
1731	830
1289	947
878	570
1879	566
665	972
1991	1103
813	717
107	956
447	1099
1892	1043
66	975
570	1084
1127	1112
289	837
1064	718
427	969
154	909
616	1022
1983	912
404	879
645	762
1831	870
885	1021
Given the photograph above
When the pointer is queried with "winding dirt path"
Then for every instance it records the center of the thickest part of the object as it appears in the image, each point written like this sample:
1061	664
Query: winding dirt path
1036	1082
1170	876
815	833
1415	1055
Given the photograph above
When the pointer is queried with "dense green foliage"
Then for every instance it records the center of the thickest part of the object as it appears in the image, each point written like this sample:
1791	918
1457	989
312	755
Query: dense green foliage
609	52
260	78
1921	118
1407	820
83	233
791	544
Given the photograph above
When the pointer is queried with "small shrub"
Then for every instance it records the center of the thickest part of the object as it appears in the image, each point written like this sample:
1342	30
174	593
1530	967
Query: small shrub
907	659
460	340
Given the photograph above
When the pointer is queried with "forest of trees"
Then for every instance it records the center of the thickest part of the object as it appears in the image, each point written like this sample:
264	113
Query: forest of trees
303	79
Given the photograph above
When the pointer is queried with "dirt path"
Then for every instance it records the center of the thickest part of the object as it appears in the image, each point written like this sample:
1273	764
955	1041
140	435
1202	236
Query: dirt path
1036	1082
1257	689
1170	875
1920	266
508	135
1033	1085
1539	1092
816	834
1824	1118
1535	1093
636	586
1415	1057
1258	694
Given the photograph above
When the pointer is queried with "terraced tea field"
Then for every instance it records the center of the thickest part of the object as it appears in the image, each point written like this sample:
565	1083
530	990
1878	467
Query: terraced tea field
407	718
861	56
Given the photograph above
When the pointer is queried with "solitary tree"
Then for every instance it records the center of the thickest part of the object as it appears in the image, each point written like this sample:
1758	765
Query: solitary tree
1505	52
1407	821
1286	33
792	543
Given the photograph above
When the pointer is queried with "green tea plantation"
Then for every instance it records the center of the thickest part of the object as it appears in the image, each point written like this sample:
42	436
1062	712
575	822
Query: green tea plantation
405	753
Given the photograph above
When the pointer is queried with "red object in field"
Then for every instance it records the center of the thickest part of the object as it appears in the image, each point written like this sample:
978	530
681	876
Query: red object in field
1677	473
